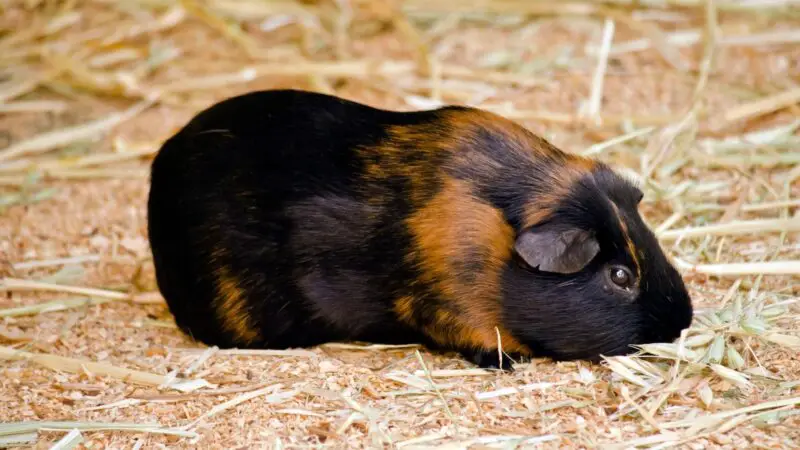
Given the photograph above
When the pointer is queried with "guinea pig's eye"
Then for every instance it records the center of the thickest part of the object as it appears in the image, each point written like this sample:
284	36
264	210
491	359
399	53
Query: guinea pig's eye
621	277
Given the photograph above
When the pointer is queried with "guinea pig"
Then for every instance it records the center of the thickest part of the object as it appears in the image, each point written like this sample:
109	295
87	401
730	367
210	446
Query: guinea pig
286	219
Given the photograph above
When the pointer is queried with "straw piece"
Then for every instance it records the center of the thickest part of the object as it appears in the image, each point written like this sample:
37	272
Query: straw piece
623	371
73	365
273	398
735	412
415	381
421	439
605	120
731	375
259	352
205	393
229	30
413	35
201	359
13	428
13	180
244	10
734	228
111	52
298	412
160	324
655	35
83	174
56	262
18	439
55	305
601	146
368	347
673	135
592	108
69	441
780	159
435	387
33	106
740	269
710	38
13	284
172	16
660	438
11	90
785	340
624	391
449	373
747	207
58	138
686	38
762	39
342	68
97	159
518	390
148	298
763	106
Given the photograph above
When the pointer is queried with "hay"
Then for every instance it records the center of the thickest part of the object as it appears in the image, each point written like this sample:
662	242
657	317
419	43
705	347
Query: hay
696	100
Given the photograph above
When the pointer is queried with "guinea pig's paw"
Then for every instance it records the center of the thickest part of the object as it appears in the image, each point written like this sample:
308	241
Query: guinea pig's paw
489	359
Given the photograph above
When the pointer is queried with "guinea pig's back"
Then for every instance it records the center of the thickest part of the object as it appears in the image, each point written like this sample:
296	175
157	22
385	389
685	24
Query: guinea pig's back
282	138
246	193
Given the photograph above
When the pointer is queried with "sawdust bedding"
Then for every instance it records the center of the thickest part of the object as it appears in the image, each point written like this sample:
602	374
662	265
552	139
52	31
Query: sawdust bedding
88	231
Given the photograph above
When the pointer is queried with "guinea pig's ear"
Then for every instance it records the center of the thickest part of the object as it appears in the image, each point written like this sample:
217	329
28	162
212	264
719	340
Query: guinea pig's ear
558	249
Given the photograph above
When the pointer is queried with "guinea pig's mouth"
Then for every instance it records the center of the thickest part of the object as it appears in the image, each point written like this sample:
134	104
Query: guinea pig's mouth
621	350
660	335
621	347
596	355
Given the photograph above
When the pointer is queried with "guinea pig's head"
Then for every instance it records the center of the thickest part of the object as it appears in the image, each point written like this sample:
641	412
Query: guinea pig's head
591	279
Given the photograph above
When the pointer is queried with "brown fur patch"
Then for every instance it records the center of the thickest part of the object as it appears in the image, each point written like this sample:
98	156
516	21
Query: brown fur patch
410	152
404	308
231	307
455	228
567	169
571	168
631	247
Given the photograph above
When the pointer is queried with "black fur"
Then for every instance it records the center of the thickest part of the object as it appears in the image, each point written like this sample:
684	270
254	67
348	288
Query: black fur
272	185
596	319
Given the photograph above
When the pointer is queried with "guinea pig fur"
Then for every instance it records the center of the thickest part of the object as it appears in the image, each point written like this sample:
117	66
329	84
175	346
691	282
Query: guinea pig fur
286	218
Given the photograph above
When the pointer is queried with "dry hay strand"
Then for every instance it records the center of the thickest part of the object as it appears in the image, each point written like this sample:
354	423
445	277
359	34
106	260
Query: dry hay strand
696	100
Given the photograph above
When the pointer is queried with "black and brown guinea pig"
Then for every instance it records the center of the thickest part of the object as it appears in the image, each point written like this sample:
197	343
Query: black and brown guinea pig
286	218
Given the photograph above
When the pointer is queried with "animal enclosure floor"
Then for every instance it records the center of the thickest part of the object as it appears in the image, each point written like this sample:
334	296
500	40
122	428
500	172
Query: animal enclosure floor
725	187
